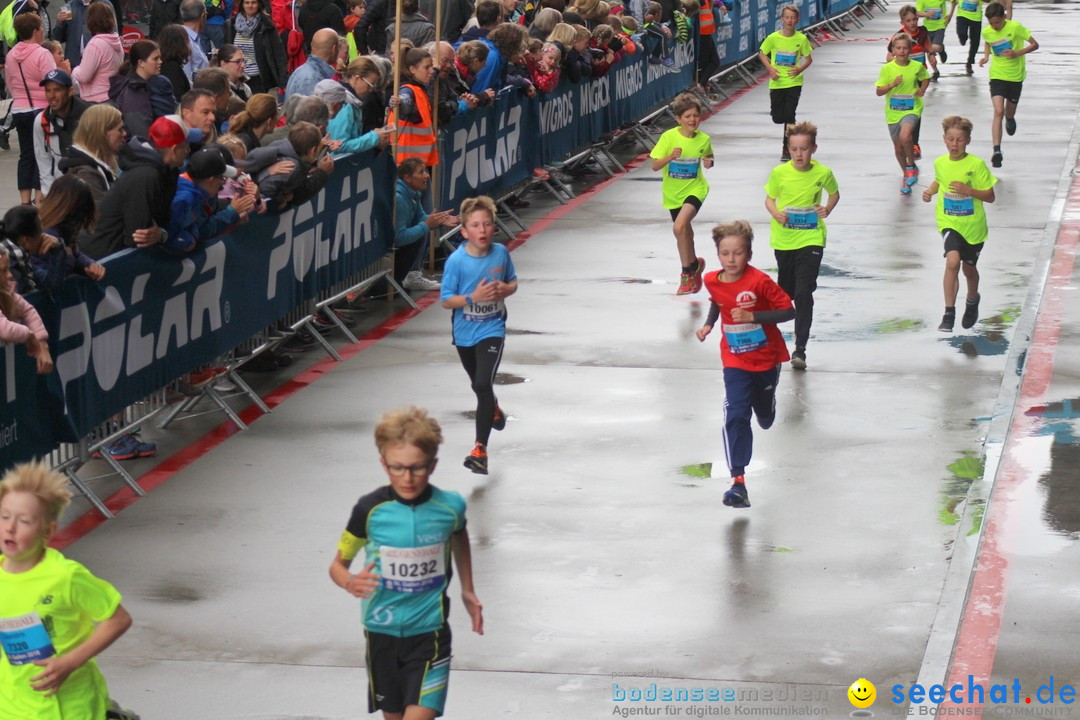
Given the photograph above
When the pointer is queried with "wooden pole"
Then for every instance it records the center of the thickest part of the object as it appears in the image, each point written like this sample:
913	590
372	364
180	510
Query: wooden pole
397	115
435	129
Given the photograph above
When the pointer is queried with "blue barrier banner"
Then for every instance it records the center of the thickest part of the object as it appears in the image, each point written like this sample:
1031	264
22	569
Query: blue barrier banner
492	150
155	318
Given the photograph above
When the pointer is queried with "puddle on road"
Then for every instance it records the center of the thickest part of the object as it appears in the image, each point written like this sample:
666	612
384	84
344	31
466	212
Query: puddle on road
509	379
989	336
830	271
698	470
965	470
516	331
898	325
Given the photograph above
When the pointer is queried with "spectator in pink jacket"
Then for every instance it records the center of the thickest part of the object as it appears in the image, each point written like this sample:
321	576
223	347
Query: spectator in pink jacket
20	323
102	56
27	65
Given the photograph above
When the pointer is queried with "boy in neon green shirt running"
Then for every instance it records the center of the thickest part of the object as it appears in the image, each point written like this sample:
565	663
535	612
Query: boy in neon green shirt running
903	82
1009	42
965	183
793	199
786	56
54	615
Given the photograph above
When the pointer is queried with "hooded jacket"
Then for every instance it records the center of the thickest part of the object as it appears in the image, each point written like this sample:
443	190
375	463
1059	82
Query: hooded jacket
316	15
52	137
193	220
27	64
348	127
297	187
139	198
141	101
101	60
414	27
79	162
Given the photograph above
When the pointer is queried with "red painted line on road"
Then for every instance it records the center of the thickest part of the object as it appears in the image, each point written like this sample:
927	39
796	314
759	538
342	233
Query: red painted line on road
176	462
980	627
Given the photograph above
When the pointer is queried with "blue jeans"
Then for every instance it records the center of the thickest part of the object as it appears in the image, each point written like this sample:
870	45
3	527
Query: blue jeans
746	392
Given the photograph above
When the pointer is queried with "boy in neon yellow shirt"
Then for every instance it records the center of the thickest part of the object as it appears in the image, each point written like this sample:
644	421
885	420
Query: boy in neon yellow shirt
684	153
965	183
1009	41
54	615
786	56
793	199
903	82
935	20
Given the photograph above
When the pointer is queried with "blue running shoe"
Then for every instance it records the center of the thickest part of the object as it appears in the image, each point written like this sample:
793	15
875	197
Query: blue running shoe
737	497
125	447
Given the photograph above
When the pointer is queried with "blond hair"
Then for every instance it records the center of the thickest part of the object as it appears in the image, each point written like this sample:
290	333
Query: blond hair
955	122
562	33
471	205
737	228
41	481
409	426
806	128
234	144
90	132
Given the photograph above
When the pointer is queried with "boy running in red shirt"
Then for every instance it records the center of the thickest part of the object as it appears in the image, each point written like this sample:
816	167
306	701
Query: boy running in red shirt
749	304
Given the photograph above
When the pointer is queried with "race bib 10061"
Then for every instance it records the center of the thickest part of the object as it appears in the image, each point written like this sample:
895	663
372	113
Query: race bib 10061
25	639
413	570
480	311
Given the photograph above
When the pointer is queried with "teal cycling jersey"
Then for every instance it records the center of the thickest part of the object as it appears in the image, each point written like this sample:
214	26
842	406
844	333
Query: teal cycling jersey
409	542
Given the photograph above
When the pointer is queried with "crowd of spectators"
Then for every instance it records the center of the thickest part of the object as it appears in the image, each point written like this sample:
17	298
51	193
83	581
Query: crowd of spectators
226	110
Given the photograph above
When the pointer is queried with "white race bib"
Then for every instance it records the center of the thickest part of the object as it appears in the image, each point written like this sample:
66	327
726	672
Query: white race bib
683	168
744	337
413	570
480	311
902	103
801	218
25	639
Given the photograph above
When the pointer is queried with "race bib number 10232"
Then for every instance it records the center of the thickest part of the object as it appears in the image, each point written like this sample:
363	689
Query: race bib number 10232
413	570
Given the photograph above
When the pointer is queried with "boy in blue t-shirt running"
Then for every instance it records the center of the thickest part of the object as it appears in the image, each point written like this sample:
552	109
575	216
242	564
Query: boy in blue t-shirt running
477	278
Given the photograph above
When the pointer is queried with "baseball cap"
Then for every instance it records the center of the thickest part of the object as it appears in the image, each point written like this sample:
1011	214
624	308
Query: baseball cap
169	130
208	163
57	76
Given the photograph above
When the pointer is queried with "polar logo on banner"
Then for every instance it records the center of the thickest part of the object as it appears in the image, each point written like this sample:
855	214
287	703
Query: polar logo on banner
470	149
116	340
628	81
556	113
302	242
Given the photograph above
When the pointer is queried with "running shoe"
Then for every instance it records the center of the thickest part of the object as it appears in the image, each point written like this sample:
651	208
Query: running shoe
798	359
686	284
477	460
917	151
969	70
996	159
127	447
935	76
911	175
944	55
697	281
1010	125
736	496
5	142
905	189
947	322
499	421
971	313
144	449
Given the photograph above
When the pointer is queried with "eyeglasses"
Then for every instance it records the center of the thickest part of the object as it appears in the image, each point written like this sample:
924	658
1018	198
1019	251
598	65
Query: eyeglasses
370	86
234	60
421	470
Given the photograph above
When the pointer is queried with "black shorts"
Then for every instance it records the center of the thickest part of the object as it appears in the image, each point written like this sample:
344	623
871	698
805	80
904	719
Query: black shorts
408	671
1007	89
955	241
783	102
688	200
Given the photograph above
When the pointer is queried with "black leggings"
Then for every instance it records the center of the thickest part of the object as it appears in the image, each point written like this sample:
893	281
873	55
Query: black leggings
27	172
481	362
969	30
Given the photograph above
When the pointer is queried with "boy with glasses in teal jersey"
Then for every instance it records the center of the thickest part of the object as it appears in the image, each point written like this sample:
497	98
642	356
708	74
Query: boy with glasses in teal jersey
408	530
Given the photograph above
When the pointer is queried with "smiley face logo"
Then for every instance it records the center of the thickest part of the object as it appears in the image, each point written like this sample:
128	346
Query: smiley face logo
862	693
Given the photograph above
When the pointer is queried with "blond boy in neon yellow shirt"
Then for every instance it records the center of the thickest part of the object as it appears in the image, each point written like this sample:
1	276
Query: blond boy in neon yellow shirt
793	199
54	615
965	183
786	56
903	82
